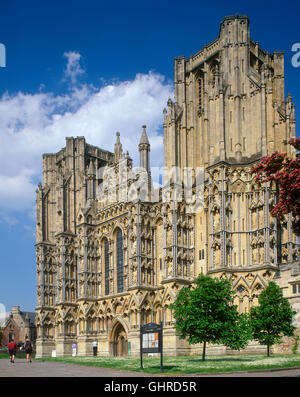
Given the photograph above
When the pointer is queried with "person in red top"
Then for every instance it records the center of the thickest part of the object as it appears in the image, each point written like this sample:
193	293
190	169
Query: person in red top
12	348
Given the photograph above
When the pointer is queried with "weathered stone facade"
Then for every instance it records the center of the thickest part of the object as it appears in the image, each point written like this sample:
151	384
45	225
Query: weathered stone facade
112	251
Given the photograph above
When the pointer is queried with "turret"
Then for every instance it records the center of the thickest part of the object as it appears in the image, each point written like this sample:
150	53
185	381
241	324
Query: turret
144	149
118	148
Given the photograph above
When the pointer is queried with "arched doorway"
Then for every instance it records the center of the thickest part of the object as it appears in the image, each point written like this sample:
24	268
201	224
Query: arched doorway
119	342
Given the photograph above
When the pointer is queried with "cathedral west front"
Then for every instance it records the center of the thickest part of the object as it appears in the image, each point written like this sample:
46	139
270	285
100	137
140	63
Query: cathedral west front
113	250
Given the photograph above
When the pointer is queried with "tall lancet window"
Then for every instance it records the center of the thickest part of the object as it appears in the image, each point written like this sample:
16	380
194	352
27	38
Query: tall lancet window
66	206
120	261
200	84
106	266
45	223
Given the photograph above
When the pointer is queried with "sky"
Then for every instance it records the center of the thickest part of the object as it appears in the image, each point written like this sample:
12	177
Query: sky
91	68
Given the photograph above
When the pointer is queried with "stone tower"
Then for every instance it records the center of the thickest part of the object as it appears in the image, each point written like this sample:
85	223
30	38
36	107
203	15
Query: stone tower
229	102
229	112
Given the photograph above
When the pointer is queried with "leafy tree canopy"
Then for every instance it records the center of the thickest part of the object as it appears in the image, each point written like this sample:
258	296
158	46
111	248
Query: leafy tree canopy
285	172
273	317
205	314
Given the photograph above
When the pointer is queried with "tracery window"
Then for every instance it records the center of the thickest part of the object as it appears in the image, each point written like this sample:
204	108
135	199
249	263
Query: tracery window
120	261
106	266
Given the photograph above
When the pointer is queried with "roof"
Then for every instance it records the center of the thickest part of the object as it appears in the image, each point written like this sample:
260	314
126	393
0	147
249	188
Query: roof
5	317
31	316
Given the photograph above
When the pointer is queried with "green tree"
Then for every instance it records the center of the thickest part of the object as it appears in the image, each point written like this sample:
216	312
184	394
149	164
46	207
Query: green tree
205	314
272	318
237	332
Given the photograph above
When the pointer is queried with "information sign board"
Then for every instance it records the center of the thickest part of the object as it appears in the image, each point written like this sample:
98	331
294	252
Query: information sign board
151	340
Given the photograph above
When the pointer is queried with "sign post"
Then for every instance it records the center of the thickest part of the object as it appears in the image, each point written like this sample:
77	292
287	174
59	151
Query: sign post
151	341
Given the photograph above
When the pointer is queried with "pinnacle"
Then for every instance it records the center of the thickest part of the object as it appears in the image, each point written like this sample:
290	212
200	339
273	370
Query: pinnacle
144	137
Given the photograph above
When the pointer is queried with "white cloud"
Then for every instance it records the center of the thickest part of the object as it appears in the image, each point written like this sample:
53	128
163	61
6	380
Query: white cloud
33	124
73	67
3	314
10	220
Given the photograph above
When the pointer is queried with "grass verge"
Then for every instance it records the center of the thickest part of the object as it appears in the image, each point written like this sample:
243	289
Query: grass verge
20	354
187	364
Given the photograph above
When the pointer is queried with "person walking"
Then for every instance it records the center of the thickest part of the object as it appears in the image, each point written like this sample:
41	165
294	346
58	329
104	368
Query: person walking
28	349
74	347
95	347
12	348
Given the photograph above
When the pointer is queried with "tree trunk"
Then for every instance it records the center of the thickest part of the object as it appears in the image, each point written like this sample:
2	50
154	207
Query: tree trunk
203	351
268	350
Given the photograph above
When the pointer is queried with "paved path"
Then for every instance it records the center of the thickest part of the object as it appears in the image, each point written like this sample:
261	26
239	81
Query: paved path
57	369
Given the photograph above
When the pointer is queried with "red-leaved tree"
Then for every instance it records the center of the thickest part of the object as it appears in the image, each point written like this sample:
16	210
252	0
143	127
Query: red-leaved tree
286	173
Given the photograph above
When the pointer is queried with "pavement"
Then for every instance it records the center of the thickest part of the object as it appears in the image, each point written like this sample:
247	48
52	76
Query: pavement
39	368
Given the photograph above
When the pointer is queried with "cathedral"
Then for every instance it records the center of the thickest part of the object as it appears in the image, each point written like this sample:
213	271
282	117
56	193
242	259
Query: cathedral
113	249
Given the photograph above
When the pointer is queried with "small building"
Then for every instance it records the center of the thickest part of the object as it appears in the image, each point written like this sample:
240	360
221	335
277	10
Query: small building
18	325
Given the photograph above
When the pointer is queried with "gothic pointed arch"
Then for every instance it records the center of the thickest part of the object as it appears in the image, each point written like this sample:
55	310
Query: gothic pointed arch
118	337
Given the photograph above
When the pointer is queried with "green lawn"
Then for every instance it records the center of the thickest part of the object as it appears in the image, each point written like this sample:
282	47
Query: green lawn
20	354
188	364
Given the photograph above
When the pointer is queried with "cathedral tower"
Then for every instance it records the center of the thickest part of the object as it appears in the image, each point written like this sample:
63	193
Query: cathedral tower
229	102
230	111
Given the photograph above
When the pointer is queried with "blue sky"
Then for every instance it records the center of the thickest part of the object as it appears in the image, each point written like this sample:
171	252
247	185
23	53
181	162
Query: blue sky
93	68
